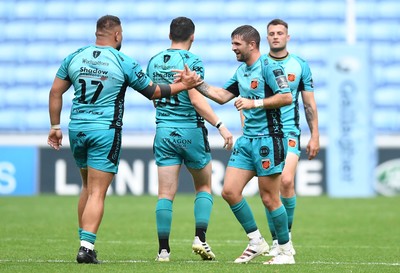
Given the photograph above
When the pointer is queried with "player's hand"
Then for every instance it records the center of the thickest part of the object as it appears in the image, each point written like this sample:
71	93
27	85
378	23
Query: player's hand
313	147
55	139
228	138
243	103
189	78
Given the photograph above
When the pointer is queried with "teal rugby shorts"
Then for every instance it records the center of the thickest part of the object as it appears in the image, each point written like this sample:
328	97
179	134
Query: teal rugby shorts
293	144
174	146
264	155
98	149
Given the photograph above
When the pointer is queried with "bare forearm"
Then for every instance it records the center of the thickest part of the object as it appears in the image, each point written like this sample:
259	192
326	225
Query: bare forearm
277	101
216	94
311	115
204	89
55	106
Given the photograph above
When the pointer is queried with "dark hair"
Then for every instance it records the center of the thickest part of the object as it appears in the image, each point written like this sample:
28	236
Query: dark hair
181	28
248	34
278	22
107	22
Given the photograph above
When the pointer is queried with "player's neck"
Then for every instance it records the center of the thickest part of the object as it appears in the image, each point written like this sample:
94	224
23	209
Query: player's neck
253	58
181	45
278	55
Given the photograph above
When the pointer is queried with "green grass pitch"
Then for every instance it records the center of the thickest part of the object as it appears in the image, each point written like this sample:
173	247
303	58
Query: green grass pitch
39	234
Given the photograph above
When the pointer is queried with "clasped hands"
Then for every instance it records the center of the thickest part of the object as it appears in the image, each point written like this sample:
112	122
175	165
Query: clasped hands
188	77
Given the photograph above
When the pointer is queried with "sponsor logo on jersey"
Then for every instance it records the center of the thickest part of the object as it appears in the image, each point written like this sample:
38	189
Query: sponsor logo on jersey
163	66
254	84
282	82
198	69
140	74
93	62
81	134
92	71
264	151
175	134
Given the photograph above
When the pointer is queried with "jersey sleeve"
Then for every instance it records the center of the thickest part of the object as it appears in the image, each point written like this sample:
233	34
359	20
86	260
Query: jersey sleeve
306	76
232	85
134	74
275	77
62	72
197	65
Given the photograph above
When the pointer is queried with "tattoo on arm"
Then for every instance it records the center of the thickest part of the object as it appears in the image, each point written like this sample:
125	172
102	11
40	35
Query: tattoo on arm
203	88
309	116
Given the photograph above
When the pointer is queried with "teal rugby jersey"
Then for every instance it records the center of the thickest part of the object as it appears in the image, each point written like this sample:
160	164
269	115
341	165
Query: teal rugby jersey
100	76
176	111
299	77
260	80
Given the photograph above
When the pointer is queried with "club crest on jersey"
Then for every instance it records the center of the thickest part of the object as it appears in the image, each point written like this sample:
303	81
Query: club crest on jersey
292	142
96	53
254	84
167	58
291	77
266	163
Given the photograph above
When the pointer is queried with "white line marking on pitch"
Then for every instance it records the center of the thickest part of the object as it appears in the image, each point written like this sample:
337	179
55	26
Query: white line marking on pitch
146	261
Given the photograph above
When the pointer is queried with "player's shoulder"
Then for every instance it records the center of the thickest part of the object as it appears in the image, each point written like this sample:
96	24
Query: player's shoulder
122	57
298	58
186	54
267	63
78	51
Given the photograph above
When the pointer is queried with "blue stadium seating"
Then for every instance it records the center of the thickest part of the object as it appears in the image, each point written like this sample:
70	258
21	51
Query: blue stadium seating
38	34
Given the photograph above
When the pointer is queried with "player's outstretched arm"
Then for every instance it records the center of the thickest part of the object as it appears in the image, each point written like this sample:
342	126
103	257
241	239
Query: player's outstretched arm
273	102
188	80
202	107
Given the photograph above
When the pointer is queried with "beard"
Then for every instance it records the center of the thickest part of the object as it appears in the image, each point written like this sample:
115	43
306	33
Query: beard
118	47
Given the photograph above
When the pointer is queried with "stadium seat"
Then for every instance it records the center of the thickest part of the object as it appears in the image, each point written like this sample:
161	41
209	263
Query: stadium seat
385	30
365	10
12	120
38	35
388	9
387	119
329	10
27	9
387	96
57	10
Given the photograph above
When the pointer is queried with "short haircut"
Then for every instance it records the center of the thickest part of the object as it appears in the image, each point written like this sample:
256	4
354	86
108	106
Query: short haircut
181	28
107	22
278	22
248	34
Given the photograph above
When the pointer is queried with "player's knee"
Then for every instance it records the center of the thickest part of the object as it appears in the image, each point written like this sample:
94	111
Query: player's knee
287	182
230	196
